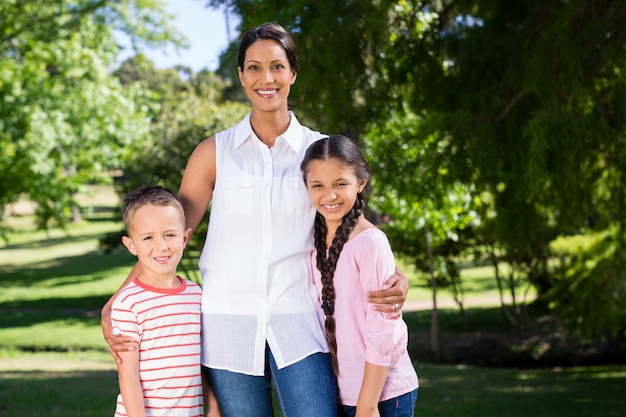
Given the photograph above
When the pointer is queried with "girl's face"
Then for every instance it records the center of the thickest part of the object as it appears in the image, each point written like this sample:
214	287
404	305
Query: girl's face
267	76
332	188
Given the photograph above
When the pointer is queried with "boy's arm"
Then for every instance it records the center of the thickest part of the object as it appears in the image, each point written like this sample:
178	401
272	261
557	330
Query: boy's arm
130	385
210	401
371	388
117	343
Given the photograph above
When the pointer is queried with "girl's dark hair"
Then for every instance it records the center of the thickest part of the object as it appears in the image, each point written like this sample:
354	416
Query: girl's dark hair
272	31
346	151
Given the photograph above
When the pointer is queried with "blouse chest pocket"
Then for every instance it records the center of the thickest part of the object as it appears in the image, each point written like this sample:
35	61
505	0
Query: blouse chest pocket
296	195
238	193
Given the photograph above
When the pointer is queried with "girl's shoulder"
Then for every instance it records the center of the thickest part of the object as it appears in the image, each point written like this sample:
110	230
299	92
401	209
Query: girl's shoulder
368	235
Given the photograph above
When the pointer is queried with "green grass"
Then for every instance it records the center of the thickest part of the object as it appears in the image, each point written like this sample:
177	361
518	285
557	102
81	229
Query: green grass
52	286
54	362
69	384
487	392
74	385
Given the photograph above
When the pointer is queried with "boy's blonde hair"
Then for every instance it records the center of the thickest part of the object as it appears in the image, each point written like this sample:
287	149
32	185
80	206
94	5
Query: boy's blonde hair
149	195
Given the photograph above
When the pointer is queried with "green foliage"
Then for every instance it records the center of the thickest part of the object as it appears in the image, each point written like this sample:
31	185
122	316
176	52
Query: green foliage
429	218
65	121
525	96
591	285
336	41
518	104
187	107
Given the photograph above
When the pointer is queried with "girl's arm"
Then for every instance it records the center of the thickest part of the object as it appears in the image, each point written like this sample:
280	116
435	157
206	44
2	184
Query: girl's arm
385	339
373	381
130	385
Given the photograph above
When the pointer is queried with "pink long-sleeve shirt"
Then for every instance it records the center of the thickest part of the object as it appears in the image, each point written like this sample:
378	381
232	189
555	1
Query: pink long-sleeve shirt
364	334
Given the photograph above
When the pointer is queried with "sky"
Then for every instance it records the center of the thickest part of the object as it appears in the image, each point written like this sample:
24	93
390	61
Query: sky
206	32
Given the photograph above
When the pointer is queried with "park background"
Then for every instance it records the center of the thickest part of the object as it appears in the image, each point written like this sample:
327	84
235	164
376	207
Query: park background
495	131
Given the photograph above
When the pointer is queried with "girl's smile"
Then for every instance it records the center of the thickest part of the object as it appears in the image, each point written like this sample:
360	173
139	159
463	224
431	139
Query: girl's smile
333	189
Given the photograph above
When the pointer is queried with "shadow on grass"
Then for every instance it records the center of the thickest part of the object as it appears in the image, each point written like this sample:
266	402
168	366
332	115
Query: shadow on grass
489	341
67	394
85	311
471	391
54	241
65	270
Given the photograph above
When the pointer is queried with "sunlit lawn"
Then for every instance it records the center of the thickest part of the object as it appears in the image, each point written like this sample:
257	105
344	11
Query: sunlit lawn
85	385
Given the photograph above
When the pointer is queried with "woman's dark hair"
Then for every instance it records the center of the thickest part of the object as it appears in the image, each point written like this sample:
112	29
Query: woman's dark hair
346	151
272	31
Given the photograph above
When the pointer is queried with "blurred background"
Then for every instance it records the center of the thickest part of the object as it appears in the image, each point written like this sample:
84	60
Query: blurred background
496	133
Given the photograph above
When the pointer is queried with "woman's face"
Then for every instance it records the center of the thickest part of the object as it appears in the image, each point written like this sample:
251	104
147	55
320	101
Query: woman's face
267	76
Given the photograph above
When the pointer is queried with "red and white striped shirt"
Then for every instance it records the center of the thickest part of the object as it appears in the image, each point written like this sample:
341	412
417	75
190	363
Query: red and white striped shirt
166	323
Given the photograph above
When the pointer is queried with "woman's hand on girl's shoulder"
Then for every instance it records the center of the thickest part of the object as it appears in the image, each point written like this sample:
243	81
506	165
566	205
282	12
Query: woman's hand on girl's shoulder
392	297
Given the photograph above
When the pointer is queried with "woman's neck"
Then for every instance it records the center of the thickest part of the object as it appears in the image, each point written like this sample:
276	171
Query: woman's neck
269	125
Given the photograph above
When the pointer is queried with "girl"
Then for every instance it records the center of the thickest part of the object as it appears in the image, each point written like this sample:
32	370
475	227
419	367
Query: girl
353	257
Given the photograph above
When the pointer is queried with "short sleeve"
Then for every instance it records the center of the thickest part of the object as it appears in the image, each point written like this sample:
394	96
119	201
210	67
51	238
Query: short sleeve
124	320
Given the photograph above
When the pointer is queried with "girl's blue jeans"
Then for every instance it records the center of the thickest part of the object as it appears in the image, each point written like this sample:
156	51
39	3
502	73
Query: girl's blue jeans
402	406
304	389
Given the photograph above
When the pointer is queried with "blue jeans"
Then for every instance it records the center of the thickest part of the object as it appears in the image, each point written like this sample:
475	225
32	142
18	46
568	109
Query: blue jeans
304	389
402	406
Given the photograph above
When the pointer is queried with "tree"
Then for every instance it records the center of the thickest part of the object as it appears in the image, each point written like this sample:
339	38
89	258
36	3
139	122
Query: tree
334	41
65	120
187	108
525	100
430	224
530	98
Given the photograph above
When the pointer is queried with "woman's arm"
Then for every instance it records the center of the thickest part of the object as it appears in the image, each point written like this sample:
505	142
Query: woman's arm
196	187
130	385
118	343
392	297
372	387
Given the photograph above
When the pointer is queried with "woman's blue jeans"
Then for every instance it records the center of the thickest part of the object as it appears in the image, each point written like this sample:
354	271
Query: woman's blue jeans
402	406
304	389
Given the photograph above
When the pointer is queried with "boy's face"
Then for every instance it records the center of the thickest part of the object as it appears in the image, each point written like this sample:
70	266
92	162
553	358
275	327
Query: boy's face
157	236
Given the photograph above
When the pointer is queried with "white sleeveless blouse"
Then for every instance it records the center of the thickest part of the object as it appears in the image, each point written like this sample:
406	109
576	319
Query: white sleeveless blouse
255	265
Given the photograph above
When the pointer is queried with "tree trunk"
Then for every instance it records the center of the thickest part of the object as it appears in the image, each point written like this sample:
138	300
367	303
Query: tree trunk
434	321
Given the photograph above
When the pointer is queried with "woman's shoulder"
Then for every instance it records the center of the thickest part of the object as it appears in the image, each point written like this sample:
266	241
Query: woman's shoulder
205	150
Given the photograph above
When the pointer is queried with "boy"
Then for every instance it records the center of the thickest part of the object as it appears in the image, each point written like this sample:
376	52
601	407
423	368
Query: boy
160	310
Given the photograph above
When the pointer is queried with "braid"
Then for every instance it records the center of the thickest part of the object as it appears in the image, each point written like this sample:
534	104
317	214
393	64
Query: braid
327	266
347	153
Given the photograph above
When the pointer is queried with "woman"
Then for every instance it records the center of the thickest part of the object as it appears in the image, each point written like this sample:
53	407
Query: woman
260	324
